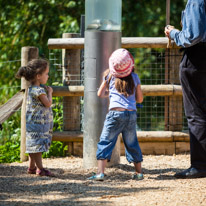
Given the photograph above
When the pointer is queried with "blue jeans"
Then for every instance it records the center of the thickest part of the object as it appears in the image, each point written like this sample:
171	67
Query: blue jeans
117	122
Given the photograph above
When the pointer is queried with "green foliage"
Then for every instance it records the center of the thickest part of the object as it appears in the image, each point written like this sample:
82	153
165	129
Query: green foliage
10	151
11	129
58	113
57	149
148	18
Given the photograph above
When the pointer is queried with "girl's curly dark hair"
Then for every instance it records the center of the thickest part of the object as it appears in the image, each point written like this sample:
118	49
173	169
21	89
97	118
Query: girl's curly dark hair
34	67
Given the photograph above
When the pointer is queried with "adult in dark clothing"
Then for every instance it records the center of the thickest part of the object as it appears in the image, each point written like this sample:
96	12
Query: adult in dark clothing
192	38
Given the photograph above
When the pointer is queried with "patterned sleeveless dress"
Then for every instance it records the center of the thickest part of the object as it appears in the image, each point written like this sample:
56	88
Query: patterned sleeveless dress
39	122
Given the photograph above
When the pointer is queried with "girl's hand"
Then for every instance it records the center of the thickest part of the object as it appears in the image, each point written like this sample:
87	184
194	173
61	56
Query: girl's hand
138	94
49	89
102	91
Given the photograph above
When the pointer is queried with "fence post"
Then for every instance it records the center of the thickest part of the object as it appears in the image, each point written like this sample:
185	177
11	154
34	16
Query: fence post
27	54
71	76
175	102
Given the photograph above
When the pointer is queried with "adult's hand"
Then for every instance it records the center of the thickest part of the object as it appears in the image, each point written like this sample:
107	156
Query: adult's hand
168	29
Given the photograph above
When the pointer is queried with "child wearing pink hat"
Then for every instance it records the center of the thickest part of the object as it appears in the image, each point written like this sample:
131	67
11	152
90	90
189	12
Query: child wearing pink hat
124	89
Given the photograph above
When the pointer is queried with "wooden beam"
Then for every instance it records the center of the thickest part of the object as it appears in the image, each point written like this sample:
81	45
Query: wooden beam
143	136
66	43
68	136
127	42
13	104
148	90
68	91
161	90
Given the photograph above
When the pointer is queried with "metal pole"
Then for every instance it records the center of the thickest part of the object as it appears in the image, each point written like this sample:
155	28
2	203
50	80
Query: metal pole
98	47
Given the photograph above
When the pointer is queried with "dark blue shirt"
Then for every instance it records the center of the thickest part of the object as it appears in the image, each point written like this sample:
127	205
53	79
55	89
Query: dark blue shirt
193	25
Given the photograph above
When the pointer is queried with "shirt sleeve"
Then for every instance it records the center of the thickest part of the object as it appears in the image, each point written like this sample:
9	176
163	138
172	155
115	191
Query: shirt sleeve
40	91
194	25
136	80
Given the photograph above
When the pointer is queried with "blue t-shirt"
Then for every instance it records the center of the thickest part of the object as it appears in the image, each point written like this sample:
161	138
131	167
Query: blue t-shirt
119	100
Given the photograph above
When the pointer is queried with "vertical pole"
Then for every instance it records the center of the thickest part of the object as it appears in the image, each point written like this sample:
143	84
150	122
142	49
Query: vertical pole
167	12
99	45
27	54
167	52
175	102
71	76
173	105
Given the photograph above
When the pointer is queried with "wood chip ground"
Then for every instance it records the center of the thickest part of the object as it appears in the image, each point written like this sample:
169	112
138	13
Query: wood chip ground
71	187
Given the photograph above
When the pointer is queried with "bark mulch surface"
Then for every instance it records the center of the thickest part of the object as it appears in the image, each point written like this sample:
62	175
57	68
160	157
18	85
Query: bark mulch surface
71	187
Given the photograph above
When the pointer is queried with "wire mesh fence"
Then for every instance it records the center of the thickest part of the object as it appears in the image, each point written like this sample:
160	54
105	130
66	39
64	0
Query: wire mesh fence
156	113
154	66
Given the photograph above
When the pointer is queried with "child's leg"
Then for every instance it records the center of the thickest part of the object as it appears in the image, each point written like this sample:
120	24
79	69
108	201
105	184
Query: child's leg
101	166
32	164
37	158
138	167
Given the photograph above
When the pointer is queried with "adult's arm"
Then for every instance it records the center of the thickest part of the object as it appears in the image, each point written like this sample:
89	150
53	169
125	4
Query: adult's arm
194	25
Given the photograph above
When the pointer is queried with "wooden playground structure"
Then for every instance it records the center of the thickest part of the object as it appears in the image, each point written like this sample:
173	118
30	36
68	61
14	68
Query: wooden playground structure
170	141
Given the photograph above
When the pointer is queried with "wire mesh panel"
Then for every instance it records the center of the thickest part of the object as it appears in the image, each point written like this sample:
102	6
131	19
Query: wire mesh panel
154	67
159	67
64	72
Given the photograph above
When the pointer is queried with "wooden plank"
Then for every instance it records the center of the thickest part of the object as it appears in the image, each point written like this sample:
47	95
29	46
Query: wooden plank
127	42
148	148
182	147
156	148
78	149
66	43
59	91
161	90
13	104
68	136
148	90
143	136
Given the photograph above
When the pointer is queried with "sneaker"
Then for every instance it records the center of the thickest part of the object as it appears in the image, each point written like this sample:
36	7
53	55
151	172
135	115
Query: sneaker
191	173
137	176
97	177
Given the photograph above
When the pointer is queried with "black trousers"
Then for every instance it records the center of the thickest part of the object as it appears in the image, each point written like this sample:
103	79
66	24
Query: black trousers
193	81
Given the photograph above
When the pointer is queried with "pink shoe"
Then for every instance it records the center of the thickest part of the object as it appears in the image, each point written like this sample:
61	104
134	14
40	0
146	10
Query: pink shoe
31	171
44	172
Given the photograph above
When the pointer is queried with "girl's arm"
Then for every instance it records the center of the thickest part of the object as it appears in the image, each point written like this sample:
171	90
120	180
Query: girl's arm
46	100
102	91
138	94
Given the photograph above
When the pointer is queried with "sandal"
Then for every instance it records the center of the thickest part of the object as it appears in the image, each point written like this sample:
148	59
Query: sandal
44	172
31	171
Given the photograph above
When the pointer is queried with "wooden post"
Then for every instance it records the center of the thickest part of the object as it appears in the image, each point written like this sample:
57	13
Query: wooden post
175	102
71	76
27	54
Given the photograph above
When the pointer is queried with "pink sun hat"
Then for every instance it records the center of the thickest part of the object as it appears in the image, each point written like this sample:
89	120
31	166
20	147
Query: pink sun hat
121	63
